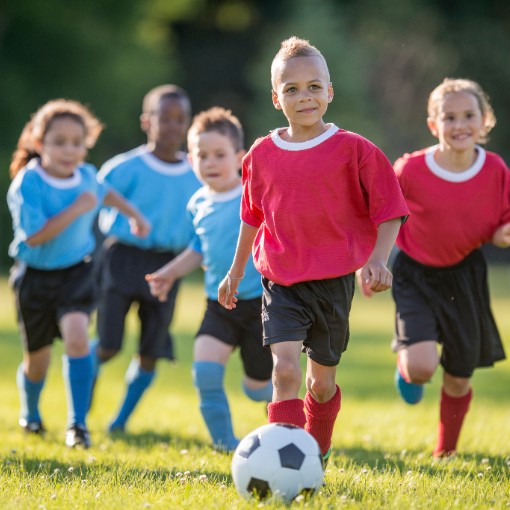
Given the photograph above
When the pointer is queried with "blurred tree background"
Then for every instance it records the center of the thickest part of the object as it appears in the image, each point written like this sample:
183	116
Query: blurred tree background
385	56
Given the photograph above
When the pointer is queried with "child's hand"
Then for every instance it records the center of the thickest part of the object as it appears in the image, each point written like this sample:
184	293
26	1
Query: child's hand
363	284
86	202
140	227
160	283
374	276
227	291
501	237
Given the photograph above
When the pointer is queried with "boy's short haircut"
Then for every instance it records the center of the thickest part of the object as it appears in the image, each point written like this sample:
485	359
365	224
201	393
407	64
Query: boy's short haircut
291	48
217	119
155	95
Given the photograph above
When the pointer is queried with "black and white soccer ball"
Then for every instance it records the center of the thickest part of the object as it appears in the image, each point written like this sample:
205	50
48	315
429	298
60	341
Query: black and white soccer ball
278	460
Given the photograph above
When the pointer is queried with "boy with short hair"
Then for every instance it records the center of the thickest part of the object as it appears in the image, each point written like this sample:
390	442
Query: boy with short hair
318	203
157	178
215	142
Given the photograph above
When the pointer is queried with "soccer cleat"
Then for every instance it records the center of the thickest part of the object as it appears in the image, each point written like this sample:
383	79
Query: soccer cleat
32	427
410	392
325	458
78	436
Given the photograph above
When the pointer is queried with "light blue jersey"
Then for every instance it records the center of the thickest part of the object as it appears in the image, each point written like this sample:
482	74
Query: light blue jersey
216	223
34	197
159	190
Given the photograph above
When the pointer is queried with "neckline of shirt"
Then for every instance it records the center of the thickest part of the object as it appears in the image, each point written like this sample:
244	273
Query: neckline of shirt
223	196
446	175
300	146
164	167
70	182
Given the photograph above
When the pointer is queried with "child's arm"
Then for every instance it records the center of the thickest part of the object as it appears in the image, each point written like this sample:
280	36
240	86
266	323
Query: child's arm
139	225
55	225
161	281
228	287
501	237
374	276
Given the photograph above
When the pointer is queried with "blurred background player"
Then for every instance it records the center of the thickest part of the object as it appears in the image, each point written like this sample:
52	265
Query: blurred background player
215	144
459	197
158	179
53	199
318	203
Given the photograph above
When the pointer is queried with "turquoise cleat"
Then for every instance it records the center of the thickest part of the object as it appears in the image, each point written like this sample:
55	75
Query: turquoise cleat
410	392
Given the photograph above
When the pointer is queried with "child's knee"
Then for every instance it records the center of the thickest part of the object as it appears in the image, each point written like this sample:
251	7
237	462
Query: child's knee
207	375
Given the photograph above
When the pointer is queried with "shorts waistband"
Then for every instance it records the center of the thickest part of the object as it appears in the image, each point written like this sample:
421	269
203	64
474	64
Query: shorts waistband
474	256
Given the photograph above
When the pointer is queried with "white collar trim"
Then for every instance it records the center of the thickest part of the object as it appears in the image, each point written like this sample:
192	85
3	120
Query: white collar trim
300	146
156	164
223	196
71	182
455	176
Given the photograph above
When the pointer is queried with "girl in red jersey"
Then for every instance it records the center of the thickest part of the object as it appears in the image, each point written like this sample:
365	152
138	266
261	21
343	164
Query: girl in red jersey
459	198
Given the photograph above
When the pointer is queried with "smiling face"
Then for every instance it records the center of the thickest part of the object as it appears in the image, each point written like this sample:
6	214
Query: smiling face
63	147
458	123
302	90
215	160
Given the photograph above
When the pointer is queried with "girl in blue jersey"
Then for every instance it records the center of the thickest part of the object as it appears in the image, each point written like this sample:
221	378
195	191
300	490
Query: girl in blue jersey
53	199
157	178
215	142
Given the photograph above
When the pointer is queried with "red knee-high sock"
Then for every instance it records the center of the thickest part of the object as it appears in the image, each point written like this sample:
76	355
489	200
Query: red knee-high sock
321	418
287	411
452	413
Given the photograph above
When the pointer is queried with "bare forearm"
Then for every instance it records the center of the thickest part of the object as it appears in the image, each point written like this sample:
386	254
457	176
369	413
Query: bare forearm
247	235
386	235
183	264
114	199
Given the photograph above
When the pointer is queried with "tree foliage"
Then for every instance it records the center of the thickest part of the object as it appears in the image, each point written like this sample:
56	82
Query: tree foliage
385	56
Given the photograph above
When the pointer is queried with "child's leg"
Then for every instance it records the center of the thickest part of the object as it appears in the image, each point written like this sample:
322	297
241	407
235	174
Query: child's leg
259	391
76	366
456	395
286	407
210	356
139	376
415	366
322	403
30	380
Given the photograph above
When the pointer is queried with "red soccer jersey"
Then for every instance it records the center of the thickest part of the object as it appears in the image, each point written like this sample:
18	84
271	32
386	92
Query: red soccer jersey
317	204
452	214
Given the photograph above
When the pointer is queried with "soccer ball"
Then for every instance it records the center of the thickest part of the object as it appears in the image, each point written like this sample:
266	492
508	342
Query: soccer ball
279	460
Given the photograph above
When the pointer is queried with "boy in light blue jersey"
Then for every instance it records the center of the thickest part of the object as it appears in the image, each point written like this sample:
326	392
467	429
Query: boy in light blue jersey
53	199
215	142
158	179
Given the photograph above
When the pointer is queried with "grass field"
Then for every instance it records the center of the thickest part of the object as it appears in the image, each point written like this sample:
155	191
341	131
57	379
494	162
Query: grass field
382	448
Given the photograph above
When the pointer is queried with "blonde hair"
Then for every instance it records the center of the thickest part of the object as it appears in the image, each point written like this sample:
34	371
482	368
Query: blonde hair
291	48
450	85
220	120
35	130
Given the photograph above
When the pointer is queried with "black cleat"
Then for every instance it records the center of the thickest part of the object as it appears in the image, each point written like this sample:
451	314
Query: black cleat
78	436
32	427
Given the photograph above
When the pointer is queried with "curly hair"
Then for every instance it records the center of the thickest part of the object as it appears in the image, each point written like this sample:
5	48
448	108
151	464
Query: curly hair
40	122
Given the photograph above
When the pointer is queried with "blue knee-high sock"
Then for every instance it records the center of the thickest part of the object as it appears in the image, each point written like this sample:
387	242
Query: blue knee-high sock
264	394
78	381
29	392
208	380
137	380
96	361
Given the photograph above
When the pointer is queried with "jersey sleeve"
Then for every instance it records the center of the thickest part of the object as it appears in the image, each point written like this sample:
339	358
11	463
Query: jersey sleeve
251	214
379	179
29	202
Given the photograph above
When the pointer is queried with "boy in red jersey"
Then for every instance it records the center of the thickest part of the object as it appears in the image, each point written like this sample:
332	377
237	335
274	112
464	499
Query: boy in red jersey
459	198
318	203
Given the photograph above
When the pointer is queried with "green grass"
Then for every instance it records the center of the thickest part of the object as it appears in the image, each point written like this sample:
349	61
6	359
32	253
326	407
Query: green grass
381	456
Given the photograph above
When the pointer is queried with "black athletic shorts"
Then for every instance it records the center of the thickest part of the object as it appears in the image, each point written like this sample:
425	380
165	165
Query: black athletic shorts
314	312
122	282
43	297
450	305
240	327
